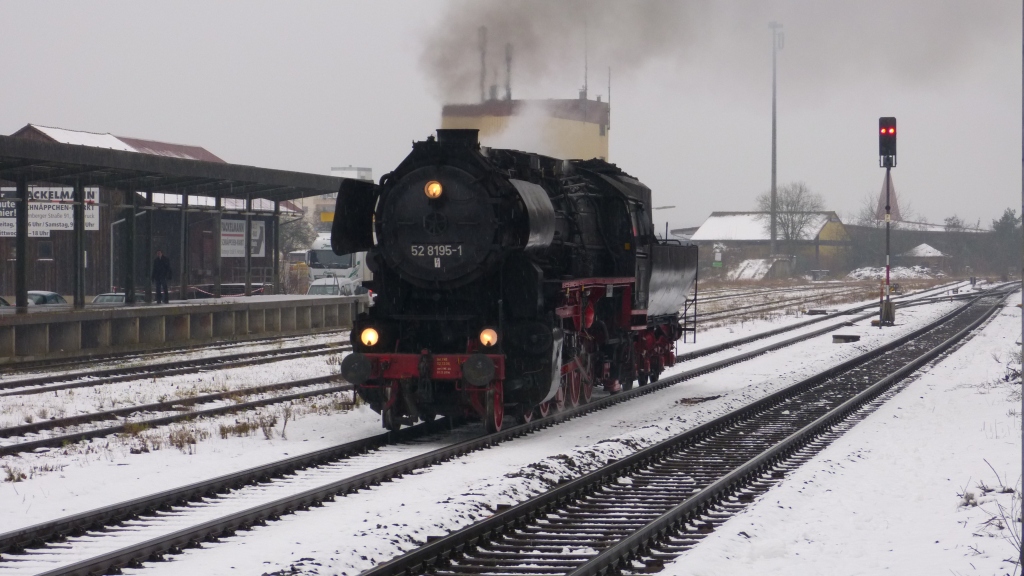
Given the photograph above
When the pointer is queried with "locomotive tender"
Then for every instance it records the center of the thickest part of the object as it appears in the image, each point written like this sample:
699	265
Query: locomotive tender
506	282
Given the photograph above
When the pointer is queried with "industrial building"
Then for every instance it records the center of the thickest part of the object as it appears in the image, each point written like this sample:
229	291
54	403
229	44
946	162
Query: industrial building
572	128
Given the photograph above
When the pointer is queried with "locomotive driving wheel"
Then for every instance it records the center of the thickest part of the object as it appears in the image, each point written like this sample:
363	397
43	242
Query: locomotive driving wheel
544	408
495	404
524	413
586	389
572	388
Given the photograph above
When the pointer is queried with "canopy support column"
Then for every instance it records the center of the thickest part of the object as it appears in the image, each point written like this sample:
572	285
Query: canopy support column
149	247
216	246
277	248
183	256
21	246
78	214
248	245
130	252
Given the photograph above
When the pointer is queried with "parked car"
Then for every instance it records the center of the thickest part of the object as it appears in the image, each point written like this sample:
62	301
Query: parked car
43	298
332	286
109	298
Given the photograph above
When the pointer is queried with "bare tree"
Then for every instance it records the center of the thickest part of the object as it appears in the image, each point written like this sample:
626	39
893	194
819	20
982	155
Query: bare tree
297	234
796	210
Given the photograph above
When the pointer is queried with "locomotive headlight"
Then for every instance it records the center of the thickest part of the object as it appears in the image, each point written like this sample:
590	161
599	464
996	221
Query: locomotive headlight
488	337
369	337
432	189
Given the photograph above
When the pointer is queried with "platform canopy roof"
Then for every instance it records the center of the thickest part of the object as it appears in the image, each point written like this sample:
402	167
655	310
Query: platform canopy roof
63	164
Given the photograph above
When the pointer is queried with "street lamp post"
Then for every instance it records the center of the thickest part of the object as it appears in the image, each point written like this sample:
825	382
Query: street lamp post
776	46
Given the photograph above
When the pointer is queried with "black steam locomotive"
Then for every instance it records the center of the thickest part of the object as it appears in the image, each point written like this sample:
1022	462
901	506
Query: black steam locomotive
506	282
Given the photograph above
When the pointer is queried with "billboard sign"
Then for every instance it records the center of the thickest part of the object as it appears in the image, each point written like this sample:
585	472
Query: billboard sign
49	208
232	238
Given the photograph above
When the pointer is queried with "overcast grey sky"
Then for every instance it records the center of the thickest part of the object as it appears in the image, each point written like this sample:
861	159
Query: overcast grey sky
310	85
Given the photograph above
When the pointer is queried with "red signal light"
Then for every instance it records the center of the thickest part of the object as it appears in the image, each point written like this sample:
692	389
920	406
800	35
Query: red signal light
892	130
882	131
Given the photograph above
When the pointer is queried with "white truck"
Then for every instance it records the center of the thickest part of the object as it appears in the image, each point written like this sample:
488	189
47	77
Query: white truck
346	269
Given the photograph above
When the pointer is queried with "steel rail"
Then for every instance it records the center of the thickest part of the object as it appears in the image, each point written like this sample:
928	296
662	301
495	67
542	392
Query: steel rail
43	425
34	366
656	531
79	523
51	382
58	441
769	306
431	556
107	515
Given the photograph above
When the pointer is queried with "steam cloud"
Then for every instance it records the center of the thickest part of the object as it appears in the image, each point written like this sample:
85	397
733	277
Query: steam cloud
827	43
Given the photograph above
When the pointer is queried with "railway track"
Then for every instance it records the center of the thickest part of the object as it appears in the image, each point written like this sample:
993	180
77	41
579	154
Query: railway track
180	409
778	305
25	443
51	366
48	547
83	378
771	306
636	513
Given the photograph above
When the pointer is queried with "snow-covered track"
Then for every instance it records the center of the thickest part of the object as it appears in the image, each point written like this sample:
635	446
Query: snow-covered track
82	378
635	513
177	351
771	306
762	307
107	518
170	405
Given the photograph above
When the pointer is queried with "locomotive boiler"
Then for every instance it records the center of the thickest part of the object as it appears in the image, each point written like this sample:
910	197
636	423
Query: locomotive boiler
506	283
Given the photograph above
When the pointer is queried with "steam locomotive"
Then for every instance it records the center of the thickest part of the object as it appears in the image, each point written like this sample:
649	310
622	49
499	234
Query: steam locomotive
506	282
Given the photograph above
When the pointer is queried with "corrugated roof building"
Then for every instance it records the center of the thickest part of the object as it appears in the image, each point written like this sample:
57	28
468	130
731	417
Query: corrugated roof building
821	242
123	143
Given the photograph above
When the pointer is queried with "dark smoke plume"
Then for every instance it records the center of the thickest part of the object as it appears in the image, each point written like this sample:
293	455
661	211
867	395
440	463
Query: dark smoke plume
826	42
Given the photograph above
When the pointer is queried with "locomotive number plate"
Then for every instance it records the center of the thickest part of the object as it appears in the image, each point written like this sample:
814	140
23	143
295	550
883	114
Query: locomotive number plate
432	250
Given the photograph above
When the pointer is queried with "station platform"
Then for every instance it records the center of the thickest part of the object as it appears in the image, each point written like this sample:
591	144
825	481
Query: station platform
61	332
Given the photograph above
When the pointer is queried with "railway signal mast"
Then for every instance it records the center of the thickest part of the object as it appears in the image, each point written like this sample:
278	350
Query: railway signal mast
887	160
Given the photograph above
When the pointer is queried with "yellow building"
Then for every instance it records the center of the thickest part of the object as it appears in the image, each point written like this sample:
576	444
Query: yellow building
569	129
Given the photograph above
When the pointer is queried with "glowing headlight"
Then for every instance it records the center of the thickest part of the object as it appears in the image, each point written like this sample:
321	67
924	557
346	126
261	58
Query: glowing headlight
369	337
432	189
488	337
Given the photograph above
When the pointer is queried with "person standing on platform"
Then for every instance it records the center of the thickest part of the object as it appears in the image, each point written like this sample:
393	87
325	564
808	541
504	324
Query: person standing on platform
161	275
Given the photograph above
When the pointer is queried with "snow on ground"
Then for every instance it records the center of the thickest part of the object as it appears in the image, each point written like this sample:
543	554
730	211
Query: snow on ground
754	269
355	532
196	353
901	492
16	410
896	273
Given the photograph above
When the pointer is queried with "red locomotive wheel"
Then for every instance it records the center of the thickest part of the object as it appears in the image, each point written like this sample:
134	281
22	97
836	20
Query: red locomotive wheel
544	408
495	402
587	390
558	402
573	389
525	414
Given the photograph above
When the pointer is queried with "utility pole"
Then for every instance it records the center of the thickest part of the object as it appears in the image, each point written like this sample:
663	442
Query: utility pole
776	46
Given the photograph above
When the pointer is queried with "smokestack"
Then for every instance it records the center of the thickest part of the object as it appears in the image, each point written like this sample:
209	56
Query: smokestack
508	71
483	63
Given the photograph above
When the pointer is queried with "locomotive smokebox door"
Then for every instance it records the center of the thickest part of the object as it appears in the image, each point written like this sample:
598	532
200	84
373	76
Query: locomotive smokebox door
437	227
